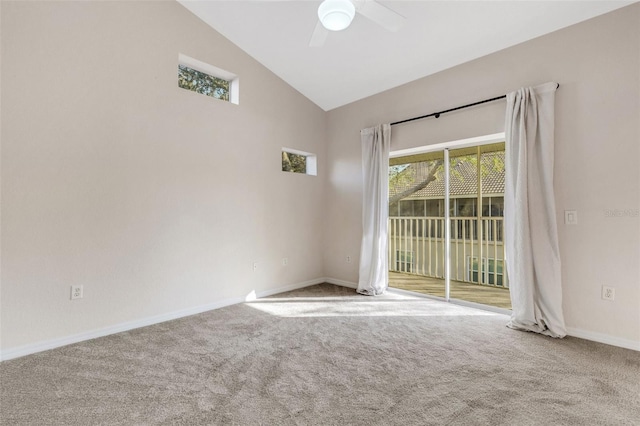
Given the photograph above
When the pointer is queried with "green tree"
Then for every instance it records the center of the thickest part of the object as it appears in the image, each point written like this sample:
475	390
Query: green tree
294	162
200	82
403	176
407	176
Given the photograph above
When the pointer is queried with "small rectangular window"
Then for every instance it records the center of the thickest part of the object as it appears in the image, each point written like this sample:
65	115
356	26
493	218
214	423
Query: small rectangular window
202	83
404	261
208	80
299	162
493	274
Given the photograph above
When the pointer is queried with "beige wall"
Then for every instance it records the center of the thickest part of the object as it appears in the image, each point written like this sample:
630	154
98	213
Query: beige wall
597	151
154	198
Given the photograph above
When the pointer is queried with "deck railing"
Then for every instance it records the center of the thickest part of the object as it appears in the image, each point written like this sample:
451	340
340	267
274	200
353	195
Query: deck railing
416	246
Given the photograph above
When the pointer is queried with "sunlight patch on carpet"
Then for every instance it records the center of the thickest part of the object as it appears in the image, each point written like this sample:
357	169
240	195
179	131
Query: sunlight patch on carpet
389	306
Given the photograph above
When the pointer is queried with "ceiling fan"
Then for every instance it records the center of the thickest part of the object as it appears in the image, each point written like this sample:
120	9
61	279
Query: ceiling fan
336	15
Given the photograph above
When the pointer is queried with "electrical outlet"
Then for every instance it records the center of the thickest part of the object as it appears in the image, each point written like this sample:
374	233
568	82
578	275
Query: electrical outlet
570	217
348	259
285	261
76	292
608	293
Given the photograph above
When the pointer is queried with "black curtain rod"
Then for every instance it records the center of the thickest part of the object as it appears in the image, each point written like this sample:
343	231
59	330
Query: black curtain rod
437	114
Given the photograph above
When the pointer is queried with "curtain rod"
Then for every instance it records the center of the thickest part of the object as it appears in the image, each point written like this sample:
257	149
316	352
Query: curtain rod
437	114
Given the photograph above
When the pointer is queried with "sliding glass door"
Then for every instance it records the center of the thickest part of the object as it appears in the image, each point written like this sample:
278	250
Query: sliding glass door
445	224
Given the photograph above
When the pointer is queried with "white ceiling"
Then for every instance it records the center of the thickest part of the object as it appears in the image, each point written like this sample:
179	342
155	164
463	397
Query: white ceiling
366	59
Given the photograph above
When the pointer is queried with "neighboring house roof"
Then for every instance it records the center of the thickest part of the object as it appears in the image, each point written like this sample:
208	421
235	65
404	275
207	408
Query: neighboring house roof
463	178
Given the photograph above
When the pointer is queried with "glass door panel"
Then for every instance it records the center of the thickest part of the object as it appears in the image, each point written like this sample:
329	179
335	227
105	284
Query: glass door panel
416	223
476	209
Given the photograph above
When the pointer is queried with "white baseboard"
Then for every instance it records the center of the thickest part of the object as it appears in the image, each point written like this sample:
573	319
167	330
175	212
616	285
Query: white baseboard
33	348
604	338
267	293
342	283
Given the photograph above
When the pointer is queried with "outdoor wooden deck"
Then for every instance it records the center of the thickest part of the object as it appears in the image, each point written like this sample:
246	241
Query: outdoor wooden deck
493	296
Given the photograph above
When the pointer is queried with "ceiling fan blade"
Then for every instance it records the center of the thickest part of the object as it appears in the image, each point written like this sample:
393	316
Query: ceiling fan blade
319	35
380	14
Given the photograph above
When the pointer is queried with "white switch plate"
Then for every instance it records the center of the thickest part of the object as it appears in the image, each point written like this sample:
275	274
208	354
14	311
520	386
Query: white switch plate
570	217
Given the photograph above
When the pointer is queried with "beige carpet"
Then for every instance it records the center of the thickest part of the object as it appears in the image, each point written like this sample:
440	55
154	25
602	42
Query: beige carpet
324	355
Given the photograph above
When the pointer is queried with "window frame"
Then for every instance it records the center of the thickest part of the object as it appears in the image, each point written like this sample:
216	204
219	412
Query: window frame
311	161
213	71
404	260
486	272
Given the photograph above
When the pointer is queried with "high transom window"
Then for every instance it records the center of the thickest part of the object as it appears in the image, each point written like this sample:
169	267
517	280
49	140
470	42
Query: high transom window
206	84
200	77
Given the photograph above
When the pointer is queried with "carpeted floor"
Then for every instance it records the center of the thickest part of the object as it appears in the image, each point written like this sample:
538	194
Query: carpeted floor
326	356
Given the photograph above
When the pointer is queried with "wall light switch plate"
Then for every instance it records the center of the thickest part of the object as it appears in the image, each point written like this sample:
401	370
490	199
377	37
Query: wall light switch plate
570	217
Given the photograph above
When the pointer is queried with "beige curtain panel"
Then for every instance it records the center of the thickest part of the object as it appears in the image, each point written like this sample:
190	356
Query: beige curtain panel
374	264
531	236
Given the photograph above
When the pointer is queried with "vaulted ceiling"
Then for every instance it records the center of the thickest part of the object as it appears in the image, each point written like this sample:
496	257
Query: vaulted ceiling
366	59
